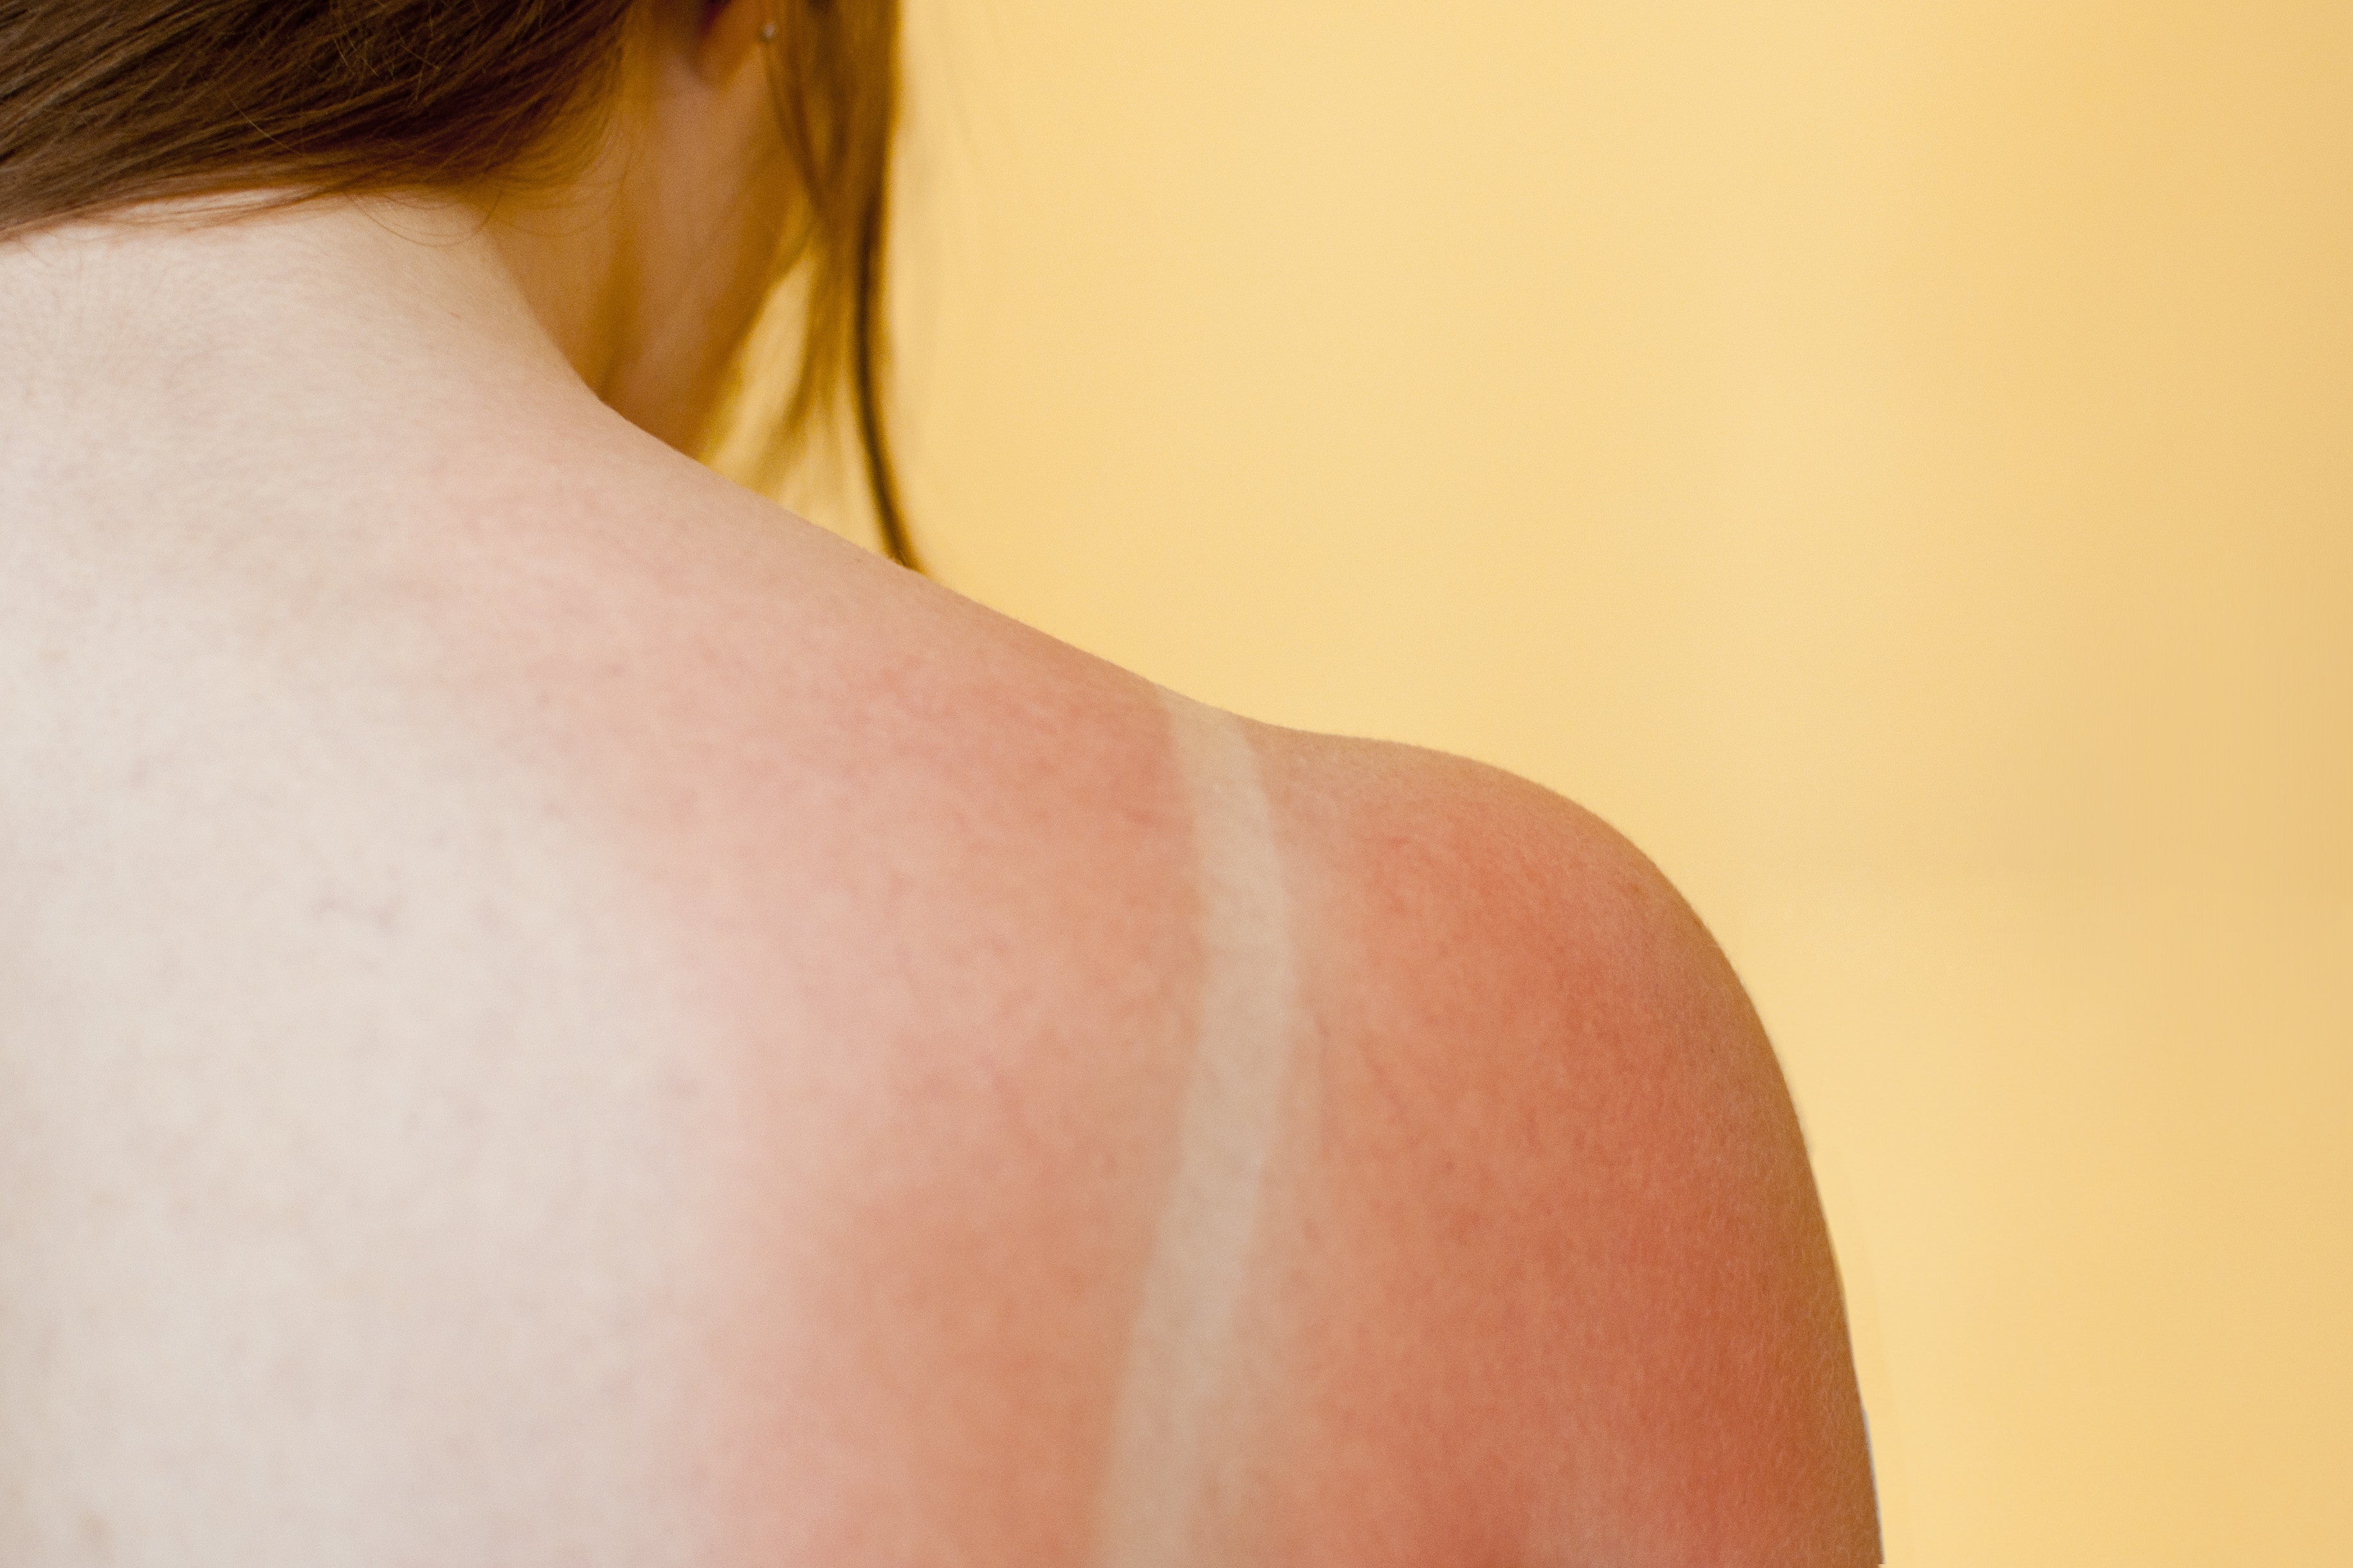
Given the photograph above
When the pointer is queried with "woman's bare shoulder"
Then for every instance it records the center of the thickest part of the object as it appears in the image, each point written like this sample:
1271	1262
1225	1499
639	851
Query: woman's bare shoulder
1559	1163
1536	1241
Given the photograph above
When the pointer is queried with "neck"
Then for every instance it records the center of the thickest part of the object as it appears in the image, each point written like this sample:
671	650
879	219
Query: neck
334	323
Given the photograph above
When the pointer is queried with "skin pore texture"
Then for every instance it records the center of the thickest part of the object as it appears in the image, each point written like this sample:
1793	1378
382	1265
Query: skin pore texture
553	1013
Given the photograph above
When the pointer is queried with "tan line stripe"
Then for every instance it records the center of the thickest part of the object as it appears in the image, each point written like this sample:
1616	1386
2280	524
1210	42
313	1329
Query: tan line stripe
1182	1344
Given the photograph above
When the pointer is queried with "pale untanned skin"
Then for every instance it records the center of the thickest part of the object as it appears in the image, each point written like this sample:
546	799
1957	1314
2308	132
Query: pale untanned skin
552	1012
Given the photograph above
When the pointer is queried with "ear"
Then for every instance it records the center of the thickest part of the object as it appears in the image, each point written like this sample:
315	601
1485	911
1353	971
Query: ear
730	37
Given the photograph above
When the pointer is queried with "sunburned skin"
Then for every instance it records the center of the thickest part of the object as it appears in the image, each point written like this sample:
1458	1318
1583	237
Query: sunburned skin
605	1038
552	1014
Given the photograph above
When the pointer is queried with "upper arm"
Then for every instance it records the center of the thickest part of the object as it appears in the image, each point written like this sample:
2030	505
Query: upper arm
1587	1201
1710	1394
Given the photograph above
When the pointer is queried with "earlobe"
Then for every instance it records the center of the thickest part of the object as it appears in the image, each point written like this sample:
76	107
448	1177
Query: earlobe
733	30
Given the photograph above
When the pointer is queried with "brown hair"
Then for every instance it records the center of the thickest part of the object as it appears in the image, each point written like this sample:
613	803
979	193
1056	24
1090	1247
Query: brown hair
108	103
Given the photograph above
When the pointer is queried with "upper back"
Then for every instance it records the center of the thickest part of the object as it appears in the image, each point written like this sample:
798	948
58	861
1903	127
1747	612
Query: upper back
627	1028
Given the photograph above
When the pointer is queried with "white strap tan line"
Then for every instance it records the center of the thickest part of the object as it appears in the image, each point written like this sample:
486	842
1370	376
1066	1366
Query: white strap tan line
1181	1350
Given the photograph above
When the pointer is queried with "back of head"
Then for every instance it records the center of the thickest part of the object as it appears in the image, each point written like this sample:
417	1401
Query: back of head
106	105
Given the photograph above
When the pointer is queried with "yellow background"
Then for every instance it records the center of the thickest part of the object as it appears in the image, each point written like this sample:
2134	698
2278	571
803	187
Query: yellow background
1894	462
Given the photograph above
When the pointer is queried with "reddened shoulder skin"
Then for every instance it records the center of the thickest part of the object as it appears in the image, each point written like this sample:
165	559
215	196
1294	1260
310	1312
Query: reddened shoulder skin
1562	1144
